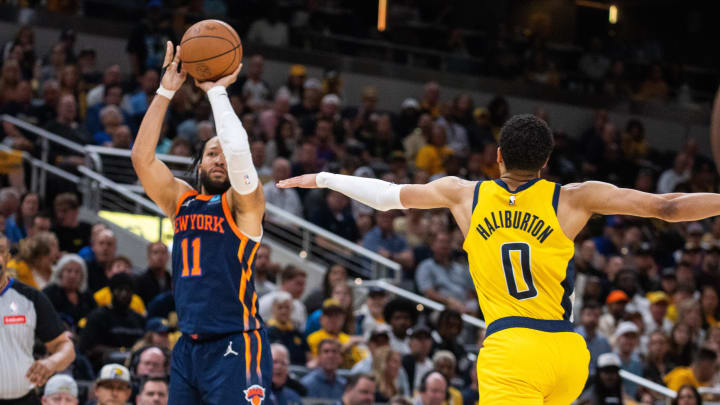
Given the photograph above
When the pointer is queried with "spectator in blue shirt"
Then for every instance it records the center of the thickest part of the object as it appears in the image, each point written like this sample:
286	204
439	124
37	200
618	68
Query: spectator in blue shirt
323	382
282	394
596	344
383	240
113	96
443	280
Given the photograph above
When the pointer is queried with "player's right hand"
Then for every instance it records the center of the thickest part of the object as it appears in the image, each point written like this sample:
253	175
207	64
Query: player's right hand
173	78
304	181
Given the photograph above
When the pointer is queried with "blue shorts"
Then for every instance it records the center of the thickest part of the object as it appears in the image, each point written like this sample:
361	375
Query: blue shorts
233	369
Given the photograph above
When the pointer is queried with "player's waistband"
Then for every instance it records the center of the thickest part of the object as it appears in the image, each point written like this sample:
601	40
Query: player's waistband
211	337
543	325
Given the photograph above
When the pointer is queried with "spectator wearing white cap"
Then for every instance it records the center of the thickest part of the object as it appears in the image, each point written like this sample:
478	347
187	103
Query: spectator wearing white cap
626	338
310	104
112	386
60	389
607	386
407	119
329	110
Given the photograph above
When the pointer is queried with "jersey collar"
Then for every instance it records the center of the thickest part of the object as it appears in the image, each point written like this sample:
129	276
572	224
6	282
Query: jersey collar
520	188
7	287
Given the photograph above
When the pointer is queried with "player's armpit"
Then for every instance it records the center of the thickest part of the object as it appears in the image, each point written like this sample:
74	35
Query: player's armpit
445	192
248	210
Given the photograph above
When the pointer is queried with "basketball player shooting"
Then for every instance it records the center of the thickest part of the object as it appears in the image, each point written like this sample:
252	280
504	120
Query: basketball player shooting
223	354
519	232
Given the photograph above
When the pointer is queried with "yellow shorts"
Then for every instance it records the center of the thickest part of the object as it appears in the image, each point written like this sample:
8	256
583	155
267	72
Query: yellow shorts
522	366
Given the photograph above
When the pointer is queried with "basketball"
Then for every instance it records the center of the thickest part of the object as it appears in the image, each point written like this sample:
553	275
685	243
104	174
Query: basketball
211	49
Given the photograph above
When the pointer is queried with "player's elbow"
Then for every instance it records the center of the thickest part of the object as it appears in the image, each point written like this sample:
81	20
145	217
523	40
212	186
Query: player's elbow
666	210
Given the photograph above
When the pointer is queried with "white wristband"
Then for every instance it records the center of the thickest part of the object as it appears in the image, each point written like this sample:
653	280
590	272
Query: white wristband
165	92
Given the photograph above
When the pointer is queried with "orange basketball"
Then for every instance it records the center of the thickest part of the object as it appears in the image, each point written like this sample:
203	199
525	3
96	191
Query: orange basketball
211	49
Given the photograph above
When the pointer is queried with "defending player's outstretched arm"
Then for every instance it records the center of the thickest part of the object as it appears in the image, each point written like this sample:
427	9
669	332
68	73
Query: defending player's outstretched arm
157	179
382	195
606	199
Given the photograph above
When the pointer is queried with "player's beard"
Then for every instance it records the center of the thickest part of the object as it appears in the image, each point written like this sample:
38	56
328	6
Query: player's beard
213	187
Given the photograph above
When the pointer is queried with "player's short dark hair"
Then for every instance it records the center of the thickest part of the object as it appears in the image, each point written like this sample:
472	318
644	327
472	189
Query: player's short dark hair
290	272
705	354
525	143
354	379
146	380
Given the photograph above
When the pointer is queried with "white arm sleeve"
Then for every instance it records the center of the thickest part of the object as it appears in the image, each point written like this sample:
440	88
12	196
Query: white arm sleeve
378	194
234	142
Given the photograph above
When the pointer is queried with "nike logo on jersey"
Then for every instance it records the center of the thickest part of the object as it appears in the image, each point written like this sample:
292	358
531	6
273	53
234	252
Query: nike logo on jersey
230	350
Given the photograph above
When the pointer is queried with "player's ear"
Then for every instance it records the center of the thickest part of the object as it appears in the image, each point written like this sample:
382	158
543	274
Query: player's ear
499	156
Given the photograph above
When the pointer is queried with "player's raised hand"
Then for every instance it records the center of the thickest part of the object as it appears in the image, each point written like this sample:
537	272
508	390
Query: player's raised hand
173	78
304	181
224	81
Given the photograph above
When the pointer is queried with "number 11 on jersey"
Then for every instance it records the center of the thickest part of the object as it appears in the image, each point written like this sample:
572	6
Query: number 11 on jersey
196	270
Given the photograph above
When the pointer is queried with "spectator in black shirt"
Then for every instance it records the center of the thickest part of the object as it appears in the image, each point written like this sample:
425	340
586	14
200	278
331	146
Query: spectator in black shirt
336	216
449	326
20	107
111	328
104	248
146	45
47	111
280	329
156	278
72	233
66	126
68	289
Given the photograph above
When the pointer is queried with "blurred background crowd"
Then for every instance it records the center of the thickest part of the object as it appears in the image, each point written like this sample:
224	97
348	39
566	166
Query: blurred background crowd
646	295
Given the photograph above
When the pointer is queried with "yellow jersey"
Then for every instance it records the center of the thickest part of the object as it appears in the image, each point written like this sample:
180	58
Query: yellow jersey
520	259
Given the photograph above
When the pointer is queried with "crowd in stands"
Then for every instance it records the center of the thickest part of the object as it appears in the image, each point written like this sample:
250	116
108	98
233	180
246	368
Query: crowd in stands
646	295
473	37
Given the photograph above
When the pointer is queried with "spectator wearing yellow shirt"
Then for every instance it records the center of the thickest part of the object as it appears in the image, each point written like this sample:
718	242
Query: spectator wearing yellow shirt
35	258
331	321
701	372
103	296
431	157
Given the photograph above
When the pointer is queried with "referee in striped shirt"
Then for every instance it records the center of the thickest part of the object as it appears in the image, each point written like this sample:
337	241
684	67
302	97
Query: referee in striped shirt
25	315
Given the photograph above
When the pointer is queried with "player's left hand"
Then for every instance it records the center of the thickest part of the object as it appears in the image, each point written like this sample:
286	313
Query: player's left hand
224	81
40	371
304	181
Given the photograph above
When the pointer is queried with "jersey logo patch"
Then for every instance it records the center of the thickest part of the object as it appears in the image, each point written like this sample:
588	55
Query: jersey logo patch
230	350
512	200
255	394
14	320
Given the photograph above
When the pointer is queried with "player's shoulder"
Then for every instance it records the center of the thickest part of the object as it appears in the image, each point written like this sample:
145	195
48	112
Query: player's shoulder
456	188
579	194
454	184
